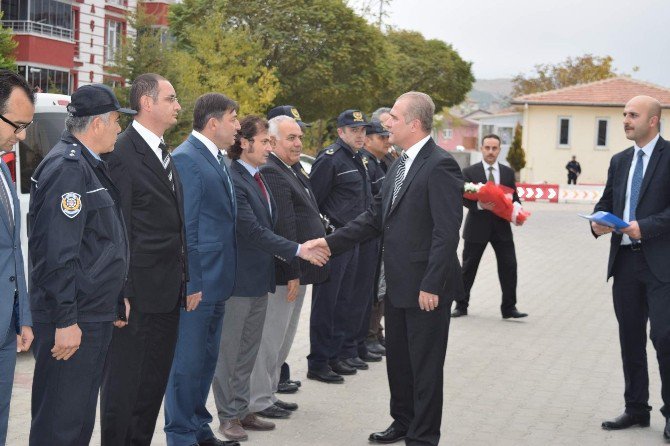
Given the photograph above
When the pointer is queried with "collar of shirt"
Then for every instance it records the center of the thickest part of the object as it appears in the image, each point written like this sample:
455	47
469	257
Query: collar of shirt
150	138
413	151
93	154
649	148
346	146
208	143
251	169
496	167
281	160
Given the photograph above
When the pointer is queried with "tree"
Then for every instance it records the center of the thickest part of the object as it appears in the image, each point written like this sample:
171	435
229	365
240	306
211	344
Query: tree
431	66
516	157
583	69
7	47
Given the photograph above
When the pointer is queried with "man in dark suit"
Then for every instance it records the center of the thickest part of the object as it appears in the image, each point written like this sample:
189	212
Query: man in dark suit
257	245
17	106
418	214
209	210
483	227
638	190
140	356
574	170
298	220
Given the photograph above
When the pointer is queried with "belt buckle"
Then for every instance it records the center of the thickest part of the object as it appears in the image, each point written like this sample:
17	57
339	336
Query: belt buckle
635	247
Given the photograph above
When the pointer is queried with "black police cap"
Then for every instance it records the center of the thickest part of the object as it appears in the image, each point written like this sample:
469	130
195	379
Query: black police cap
287	110
95	99
376	128
352	118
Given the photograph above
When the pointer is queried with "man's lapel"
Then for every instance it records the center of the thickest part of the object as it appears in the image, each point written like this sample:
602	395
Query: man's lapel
417	164
656	155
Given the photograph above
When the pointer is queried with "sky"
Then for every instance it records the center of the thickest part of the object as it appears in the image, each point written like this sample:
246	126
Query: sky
503	38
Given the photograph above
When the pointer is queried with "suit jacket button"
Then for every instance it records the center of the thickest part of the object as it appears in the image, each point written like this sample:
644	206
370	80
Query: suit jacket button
12	278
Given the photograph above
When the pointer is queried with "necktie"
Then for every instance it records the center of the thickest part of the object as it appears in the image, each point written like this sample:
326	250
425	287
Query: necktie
635	185
257	177
491	177
221	159
4	197
166	162
399	177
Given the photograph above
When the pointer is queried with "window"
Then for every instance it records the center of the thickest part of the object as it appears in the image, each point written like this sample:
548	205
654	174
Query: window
505	134
50	17
487	130
602	125
564	124
46	79
51	12
447	133
114	34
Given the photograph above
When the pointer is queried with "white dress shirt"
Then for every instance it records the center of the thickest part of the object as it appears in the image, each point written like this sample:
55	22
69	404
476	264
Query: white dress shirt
208	143
150	138
648	150
412	152
496	171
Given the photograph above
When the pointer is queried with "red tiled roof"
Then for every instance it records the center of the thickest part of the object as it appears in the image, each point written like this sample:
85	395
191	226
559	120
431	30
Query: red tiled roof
612	92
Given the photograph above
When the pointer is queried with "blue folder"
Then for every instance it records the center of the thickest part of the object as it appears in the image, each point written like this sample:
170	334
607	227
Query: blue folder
606	219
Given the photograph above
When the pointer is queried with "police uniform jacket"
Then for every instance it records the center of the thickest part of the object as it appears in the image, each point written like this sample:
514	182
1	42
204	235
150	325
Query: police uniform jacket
340	183
78	248
376	170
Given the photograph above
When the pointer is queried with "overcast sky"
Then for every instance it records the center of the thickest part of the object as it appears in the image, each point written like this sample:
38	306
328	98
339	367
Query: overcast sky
506	37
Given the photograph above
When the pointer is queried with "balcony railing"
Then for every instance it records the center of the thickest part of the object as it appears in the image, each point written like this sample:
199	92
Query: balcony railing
30	27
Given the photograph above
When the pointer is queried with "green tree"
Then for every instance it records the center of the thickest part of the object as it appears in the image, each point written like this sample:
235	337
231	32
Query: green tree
431	66
516	157
572	71
7	47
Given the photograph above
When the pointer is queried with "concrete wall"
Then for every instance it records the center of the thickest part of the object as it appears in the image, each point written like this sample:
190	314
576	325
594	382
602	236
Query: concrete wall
546	160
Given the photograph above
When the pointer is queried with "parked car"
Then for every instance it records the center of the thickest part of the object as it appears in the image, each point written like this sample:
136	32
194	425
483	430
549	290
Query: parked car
306	161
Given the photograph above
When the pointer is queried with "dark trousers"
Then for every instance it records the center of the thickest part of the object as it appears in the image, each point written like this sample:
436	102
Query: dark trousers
506	259
186	417
359	302
416	344
572	179
329	316
638	297
65	393
135	377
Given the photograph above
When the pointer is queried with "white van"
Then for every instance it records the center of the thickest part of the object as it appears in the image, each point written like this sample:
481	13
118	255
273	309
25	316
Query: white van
42	135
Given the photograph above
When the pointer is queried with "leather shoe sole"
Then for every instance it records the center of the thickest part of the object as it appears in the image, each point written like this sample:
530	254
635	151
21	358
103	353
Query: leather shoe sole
390	435
514	315
624	421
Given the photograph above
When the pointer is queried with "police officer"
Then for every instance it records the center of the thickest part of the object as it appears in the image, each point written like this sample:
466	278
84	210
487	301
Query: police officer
79	257
342	189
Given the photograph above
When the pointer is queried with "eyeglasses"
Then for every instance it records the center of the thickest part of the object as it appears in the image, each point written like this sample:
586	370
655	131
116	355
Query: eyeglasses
18	128
171	99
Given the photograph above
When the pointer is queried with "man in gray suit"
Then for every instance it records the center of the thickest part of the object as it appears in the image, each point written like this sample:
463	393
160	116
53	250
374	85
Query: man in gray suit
17	106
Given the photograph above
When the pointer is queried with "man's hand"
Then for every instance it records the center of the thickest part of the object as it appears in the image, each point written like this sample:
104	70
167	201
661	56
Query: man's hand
67	342
119	323
428	301
487	206
24	340
192	301
315	251
292	286
600	229
633	231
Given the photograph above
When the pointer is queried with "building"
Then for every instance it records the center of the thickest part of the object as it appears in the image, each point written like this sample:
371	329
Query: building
64	44
584	121
456	132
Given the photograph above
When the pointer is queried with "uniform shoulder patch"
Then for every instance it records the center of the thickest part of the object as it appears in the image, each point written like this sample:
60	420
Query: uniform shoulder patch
72	152
331	150
70	204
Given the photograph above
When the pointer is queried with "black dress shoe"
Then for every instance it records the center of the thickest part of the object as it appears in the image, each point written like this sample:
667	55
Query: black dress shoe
286	387
371	357
626	420
325	376
274	411
382	341
341	368
458	312
666	430
294	382
356	363
514	314
376	347
216	442
286	406
390	435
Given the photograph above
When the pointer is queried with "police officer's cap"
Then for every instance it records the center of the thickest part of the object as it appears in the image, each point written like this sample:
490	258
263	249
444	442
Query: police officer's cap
352	118
287	110
376	128
93	100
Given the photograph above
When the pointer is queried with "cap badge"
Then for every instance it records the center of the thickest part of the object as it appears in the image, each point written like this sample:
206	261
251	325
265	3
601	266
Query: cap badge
296	115
358	116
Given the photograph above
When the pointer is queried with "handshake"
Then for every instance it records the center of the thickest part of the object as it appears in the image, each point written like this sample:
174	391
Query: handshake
315	252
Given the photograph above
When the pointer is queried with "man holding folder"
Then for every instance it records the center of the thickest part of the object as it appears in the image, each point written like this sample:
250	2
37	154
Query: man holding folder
638	190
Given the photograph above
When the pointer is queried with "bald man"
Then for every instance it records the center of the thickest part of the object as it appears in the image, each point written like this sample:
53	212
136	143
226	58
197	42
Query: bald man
638	190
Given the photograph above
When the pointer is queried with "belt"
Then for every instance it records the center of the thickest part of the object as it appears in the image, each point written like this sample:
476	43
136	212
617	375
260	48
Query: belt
634	247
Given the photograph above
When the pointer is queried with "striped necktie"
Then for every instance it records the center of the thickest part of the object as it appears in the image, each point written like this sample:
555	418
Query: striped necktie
399	177
166	162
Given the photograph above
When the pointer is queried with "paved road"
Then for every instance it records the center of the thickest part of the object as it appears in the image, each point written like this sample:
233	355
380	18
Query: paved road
548	379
